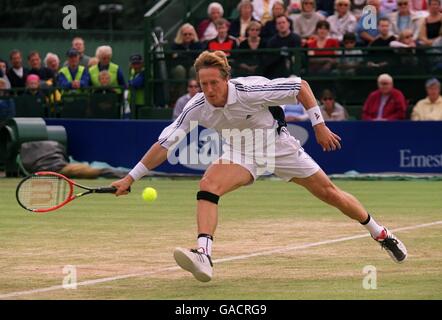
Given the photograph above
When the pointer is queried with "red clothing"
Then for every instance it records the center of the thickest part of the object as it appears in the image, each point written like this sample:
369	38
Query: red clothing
329	43
226	46
395	108
202	27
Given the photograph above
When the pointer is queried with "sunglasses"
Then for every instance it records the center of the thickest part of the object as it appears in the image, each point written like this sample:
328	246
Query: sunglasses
187	34
342	4
402	3
192	86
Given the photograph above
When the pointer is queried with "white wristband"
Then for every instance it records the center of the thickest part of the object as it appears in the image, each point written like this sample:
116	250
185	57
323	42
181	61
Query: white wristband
138	171
315	115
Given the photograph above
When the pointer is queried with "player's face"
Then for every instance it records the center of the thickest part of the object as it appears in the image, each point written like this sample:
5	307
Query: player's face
214	86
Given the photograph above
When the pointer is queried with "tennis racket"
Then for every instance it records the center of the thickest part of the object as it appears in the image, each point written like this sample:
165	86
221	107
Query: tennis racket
47	191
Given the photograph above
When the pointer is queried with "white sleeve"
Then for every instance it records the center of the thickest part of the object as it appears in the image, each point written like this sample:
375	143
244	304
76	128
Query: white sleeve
175	132
269	93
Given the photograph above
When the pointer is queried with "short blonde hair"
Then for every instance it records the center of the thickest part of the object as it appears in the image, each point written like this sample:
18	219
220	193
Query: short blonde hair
215	59
103	50
179	35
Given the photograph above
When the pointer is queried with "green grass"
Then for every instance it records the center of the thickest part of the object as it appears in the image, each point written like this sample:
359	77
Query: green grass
104	236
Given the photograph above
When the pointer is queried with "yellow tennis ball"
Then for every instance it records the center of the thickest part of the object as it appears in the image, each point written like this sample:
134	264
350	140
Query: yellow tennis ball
149	194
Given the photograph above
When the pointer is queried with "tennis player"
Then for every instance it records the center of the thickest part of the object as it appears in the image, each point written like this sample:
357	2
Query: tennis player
249	103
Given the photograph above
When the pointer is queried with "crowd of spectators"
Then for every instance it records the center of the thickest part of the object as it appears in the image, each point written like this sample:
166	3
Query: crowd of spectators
334	33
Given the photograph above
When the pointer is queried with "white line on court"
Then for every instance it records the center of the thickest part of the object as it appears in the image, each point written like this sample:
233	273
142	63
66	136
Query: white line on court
240	257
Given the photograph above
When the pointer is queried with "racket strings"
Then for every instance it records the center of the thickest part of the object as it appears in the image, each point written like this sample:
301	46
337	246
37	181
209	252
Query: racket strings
40	192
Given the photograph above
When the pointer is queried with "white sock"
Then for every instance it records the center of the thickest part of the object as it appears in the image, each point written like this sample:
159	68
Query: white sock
205	242
373	227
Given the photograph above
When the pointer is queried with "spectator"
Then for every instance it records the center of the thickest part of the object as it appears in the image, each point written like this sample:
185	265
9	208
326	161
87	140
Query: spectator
262	10
322	41
73	76
385	103
52	62
432	25
429	108
281	65
136	81
104	55
295	112
330	109
7	106
384	37
3	73
269	29
404	18
238	26
405	40
352	58
342	21
388	6
206	29
304	24
406	52
105	80
366	33
187	48
17	74
325	7
78	43
223	40
33	88
192	89
419	7
44	73
250	63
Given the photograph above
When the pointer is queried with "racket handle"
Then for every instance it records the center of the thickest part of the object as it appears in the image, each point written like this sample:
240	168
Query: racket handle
107	190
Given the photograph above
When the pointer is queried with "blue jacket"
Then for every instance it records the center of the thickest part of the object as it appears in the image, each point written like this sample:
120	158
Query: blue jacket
65	84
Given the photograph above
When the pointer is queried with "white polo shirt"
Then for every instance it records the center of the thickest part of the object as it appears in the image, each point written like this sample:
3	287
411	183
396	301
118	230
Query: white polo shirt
246	108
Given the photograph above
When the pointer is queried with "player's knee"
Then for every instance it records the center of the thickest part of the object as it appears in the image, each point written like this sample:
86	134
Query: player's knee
210	185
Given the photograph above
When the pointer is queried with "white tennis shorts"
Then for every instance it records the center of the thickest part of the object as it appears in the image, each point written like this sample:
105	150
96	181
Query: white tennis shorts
288	161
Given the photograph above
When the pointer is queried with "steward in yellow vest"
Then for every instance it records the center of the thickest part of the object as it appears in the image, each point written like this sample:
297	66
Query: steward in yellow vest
73	76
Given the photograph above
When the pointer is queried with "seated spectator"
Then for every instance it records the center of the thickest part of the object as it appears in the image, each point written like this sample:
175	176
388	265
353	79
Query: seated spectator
192	89
432	25
388	6
262	10
419	7
325	7
382	58
250	63
17	74
330	109
342	21
295	112
73	76
357	6
238	26
406	52
78	43
269	29
429	108
304	24
352	58
33	88
136	81
105	80
405	40
52	62
7	105
187	48
104	55
385	103
3	73
366	33
322	41
223	40
404	19
44	73
277	66
206	29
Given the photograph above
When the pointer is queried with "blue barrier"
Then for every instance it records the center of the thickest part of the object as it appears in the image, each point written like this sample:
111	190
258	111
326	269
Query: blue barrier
367	147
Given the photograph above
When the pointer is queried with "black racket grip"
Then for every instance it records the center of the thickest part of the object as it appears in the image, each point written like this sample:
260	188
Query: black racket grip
107	190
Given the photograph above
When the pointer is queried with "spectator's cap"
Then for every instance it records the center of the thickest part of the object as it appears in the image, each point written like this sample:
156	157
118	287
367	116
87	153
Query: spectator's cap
349	36
72	52
432	82
385	77
33	77
136	58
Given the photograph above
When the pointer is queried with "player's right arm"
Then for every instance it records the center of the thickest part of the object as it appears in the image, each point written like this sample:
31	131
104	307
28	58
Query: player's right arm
168	139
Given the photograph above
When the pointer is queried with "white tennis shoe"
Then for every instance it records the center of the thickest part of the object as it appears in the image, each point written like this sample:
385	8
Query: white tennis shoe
196	262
